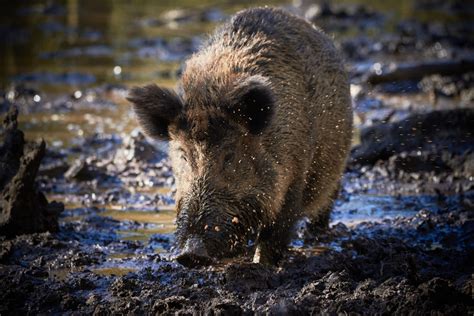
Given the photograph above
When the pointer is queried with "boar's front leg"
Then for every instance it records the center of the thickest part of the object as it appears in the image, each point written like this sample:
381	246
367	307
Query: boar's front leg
274	237
319	220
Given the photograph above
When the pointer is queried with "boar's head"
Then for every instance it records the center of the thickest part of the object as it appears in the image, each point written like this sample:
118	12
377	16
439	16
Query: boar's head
222	170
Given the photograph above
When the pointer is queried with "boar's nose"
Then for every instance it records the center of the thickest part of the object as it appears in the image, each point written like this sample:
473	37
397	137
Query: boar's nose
194	253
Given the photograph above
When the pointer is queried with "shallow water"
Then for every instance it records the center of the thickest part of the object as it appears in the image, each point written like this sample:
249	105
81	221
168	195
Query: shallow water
376	208
67	46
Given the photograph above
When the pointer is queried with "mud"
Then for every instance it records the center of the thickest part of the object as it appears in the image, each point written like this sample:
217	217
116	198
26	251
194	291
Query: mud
402	230
417	264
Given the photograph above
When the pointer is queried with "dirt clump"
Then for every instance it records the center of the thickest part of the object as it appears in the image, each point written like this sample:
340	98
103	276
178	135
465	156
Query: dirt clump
24	209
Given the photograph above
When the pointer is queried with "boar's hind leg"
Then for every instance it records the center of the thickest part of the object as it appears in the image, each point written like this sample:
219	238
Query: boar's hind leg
274	238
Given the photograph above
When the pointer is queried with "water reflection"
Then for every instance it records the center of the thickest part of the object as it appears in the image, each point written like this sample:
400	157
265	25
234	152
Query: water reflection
69	44
66	40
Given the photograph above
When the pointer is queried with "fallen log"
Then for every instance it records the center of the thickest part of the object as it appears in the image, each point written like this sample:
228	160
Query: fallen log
417	71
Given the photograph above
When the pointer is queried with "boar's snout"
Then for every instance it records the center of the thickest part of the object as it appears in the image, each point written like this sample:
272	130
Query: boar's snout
194	253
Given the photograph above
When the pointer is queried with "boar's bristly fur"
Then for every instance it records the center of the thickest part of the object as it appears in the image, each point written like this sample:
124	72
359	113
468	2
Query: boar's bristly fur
259	136
251	103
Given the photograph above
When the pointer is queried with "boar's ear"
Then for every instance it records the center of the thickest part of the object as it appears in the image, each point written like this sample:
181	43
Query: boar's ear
156	108
252	103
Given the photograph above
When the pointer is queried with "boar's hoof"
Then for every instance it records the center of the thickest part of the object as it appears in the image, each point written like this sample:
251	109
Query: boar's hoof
266	256
192	260
194	254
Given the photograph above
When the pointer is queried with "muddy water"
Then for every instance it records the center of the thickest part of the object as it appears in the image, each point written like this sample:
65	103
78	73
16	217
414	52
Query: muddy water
66	47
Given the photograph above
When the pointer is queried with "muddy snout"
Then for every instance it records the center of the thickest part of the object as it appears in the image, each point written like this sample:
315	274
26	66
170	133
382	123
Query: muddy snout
194	253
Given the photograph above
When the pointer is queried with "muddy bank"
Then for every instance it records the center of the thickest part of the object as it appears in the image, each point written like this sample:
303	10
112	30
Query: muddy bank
429	153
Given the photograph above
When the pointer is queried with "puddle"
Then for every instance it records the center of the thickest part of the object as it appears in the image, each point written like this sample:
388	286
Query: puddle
59	274
68	128
127	225
376	208
361	208
121	255
144	234
113	271
87	47
161	217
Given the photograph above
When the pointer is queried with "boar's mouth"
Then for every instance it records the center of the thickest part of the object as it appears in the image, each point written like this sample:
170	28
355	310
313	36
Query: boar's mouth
214	230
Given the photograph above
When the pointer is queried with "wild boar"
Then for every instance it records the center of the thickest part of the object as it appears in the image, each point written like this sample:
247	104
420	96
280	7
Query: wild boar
259	135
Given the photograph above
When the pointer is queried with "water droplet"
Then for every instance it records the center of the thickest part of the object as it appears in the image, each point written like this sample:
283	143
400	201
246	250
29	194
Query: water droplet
11	95
77	94
117	70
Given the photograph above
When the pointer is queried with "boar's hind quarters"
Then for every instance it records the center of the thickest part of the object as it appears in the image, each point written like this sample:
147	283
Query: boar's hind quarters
156	108
252	103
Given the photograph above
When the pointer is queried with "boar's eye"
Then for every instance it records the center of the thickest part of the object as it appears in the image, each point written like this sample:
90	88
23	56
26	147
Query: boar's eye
229	157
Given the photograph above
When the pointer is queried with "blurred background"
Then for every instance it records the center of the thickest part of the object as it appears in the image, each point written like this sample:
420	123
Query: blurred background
55	47
408	190
80	43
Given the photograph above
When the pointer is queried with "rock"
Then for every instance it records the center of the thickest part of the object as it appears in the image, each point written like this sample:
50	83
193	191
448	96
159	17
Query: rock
23	208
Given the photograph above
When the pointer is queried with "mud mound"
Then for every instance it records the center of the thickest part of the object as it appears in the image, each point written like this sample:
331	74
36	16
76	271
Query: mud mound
23	208
424	153
447	129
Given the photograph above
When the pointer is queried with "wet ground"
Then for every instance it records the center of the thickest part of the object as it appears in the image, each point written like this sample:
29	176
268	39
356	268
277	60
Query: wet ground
402	231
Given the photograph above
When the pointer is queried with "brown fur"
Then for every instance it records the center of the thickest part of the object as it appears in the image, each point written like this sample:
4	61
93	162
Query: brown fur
262	133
